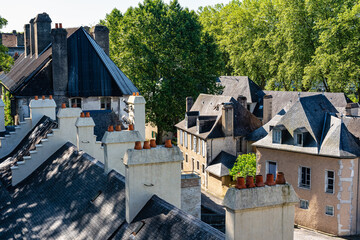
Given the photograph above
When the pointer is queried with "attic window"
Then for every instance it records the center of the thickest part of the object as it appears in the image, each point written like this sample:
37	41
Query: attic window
75	102
276	134
298	137
105	103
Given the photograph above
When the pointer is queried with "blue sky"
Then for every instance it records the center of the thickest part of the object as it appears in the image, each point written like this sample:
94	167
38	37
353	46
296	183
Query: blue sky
73	13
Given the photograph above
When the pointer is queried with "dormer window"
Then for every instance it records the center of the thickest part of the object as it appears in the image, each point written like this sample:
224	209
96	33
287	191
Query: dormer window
299	136
276	136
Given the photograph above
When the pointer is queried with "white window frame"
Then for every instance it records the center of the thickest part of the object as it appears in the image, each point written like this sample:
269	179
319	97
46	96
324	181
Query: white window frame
181	137
296	139
105	99
194	143
186	139
276	136
203	148
299	178
326	181
198	145
76	101
267	167
327	207
306	203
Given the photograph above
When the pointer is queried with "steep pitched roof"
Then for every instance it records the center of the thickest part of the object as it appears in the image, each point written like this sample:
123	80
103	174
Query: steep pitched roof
221	165
240	85
71	197
91	71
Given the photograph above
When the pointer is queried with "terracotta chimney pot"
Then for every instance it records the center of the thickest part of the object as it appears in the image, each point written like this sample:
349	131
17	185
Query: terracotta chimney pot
250	182
50	97
63	105
259	181
56	25
74	105
43	97
60	25
240	183
87	114
146	145
138	145
133	93
137	93
168	143
131	127
118	128
82	114
153	143
280	178
36	98
270	180
111	128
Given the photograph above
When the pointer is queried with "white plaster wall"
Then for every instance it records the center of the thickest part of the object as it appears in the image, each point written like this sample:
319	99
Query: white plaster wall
91	103
67	118
39	108
191	199
227	144
114	156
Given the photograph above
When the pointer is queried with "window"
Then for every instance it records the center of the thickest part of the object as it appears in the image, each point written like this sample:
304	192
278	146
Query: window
105	103
186	158
197	165
198	145
329	210
329	181
182	166
203	148
271	168
276	136
185	139
181	137
304	204
304	177
299	139
192	164
153	134
203	168
76	102
194	144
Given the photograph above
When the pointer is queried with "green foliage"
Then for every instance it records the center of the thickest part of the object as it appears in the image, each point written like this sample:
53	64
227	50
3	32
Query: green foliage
163	50
245	165
294	45
6	98
6	61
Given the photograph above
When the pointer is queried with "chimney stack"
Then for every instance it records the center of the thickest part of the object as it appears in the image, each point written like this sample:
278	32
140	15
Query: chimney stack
41	107
137	113
101	35
242	100
27	39
189	103
67	118
227	121
267	108
59	61
351	109
32	38
42	29
149	172
20	39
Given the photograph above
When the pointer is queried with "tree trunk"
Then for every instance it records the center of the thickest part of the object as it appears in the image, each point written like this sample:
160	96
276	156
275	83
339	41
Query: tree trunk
159	136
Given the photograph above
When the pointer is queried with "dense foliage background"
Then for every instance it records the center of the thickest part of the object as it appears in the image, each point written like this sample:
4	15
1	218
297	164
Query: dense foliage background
244	166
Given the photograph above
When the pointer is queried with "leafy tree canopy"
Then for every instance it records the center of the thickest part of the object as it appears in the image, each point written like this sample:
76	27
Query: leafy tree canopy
163	50
245	165
5	60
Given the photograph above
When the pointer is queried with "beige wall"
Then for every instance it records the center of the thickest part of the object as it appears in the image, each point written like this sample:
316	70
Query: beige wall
151	130
344	198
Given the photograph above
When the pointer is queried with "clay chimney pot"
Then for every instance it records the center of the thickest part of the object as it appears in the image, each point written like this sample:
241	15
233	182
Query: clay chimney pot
118	128
250	182
137	93
60	25
56	25
50	97
133	93
280	178
146	145
153	143
82	114
111	128
259	181
168	143
87	114
138	145
36	97
240	183
270	180
63	105
131	127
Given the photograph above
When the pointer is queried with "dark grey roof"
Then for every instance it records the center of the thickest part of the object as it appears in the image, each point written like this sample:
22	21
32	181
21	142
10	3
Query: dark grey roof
70	197
221	165
103	119
211	105
324	132
240	85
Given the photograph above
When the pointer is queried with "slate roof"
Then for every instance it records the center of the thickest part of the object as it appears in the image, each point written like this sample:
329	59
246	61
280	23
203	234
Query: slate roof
221	164
211	105
91	71
325	133
241	85
70	197
103	119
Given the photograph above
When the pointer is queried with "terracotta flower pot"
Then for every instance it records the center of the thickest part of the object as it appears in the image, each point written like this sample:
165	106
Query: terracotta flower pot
153	143
270	180
131	127
63	105
146	145
259	181
138	145
250	182
240	183
111	128
118	128
280	178
168	143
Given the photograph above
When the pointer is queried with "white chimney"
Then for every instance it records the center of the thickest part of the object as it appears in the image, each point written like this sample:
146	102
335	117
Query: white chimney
152	171
137	113
260	213
41	107
116	143
67	118
85	134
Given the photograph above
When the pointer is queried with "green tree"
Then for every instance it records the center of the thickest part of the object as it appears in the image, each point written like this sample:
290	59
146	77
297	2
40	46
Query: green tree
6	60
245	165
163	50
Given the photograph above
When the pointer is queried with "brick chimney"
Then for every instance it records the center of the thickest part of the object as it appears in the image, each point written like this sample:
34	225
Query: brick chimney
59	61
101	35
32	38
242	101
152	171
260	213
189	103
227	119
267	108
27	39
42	29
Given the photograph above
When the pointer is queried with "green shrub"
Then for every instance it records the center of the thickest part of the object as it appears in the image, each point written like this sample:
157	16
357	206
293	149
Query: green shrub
245	165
